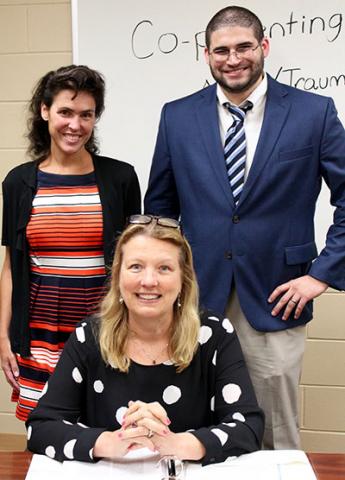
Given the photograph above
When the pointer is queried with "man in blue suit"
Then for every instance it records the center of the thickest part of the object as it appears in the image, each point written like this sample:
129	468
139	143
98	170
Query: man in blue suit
254	248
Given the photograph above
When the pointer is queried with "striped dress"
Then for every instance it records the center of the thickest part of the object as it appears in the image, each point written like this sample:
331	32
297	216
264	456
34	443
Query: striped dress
65	236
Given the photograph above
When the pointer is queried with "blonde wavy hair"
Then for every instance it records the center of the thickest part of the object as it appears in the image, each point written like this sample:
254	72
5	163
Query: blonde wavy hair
113	314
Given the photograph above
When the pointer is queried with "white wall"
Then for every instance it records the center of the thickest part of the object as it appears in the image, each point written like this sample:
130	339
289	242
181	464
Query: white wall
152	51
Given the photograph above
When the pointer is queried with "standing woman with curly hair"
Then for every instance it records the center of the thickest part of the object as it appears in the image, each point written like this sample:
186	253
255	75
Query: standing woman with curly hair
61	214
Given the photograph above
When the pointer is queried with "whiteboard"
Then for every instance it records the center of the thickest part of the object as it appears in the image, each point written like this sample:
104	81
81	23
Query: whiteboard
152	51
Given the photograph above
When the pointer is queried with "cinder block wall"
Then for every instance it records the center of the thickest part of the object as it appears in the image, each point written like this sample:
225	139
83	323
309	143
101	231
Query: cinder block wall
35	36
323	379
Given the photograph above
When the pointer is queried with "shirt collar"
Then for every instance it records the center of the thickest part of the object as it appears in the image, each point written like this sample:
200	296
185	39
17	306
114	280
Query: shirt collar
254	97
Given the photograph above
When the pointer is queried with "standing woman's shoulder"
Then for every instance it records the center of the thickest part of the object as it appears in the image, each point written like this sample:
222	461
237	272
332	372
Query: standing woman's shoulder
114	176
113	166
23	173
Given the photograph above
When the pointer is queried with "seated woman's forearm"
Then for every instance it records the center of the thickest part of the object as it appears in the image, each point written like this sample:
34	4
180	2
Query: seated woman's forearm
184	445
190	447
108	445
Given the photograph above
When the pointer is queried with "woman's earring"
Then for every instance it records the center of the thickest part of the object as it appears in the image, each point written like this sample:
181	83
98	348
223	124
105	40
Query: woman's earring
120	300
179	300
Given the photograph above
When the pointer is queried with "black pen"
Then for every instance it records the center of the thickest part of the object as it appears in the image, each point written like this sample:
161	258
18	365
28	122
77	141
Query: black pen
171	469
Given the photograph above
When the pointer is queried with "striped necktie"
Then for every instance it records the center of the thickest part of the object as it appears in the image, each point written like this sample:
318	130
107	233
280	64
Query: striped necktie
235	148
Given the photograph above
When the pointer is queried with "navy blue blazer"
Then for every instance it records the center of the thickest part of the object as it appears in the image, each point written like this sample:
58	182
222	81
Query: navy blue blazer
268	238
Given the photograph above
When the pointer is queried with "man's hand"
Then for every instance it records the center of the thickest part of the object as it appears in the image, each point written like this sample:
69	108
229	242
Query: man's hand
295	294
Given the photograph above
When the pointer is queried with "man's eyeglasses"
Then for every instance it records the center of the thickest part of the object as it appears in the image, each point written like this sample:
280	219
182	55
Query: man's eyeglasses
222	53
146	219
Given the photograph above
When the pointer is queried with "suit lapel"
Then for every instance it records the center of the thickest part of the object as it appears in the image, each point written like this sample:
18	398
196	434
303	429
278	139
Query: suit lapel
207	121
276	111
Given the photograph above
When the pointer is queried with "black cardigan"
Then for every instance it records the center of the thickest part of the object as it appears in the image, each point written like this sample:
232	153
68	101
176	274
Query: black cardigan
120	197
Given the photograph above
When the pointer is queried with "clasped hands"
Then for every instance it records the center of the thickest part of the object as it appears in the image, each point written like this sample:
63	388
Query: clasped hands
295	294
147	425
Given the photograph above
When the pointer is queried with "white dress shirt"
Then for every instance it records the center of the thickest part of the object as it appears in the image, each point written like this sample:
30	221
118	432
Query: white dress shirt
252	122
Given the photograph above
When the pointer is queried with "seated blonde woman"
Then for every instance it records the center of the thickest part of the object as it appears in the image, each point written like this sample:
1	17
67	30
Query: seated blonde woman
149	370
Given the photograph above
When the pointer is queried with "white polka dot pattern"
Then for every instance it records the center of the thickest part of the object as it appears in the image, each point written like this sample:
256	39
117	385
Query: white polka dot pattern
231	393
205	334
80	334
238	416
50	451
171	394
223	437
212	404
68	449
45	390
227	325
76	375
231	424
98	386
120	413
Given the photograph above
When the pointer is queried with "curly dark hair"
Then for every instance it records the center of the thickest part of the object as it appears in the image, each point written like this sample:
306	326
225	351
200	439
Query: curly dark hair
78	78
234	16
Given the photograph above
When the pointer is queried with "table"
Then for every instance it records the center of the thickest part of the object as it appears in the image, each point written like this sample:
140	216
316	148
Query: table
14	465
327	466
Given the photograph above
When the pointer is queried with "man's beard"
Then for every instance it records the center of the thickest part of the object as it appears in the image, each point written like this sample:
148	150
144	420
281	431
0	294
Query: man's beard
241	86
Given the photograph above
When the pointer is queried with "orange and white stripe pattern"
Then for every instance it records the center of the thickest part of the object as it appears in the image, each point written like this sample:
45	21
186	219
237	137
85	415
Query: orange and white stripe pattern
65	236
66	232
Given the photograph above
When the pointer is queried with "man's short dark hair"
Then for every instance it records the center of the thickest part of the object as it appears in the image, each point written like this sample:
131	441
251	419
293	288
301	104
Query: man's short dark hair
234	16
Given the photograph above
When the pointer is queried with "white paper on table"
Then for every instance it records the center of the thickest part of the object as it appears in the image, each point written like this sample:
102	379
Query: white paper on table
262	465
43	467
138	462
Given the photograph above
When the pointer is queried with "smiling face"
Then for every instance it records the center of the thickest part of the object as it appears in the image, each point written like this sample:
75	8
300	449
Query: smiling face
238	77
71	120
150	278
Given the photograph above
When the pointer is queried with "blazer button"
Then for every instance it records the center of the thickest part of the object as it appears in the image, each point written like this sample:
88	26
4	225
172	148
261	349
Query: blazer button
228	255
235	219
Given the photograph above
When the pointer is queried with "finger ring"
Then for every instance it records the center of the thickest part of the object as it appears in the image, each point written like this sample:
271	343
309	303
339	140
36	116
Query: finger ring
150	434
293	301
